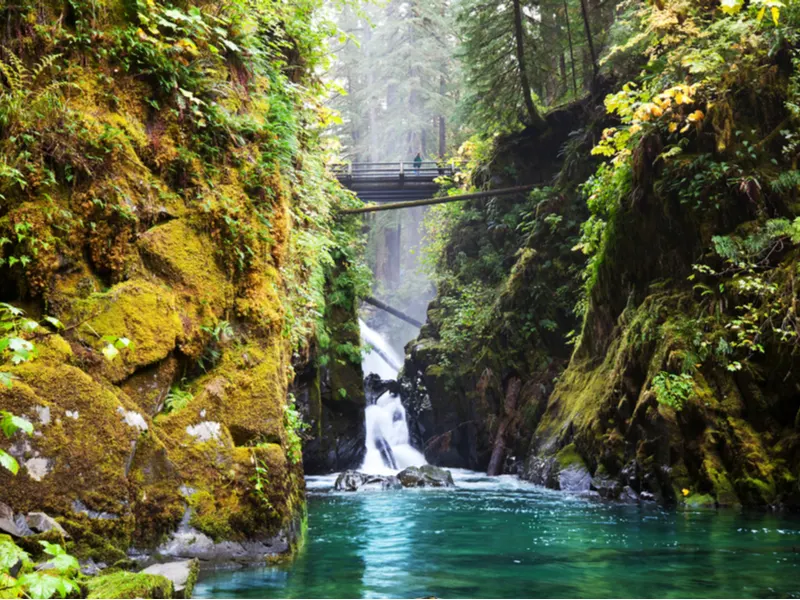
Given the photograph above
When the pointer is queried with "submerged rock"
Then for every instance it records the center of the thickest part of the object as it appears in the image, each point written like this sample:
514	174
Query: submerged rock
182	574
426	476
351	481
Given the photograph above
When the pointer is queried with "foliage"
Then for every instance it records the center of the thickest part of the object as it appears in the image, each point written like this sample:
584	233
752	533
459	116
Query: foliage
261	481
294	429
177	398
763	295
556	51
57	577
673	390
10	424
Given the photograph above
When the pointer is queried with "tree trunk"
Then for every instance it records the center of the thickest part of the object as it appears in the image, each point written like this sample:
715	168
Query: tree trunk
442	121
510	409
589	39
571	51
534	118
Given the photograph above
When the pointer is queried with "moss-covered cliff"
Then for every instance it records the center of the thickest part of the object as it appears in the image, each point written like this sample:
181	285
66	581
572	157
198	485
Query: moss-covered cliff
682	385
163	195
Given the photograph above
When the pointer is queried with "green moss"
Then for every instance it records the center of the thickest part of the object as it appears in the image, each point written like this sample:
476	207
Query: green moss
80	455
209	516
141	311
129	585
699	501
568	456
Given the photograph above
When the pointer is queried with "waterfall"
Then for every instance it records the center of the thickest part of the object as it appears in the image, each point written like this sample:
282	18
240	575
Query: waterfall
388	447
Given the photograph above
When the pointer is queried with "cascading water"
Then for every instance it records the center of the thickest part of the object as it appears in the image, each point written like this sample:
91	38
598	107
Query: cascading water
388	447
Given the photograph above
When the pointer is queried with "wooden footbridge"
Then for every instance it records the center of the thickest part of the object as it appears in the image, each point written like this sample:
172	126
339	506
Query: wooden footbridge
389	186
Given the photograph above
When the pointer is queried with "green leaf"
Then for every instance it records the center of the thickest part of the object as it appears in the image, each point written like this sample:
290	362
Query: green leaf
52	549
10	554
10	424
6	379
10	463
54	322
44	585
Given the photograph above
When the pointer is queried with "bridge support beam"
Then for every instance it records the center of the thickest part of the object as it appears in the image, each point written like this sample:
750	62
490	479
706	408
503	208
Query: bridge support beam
392	311
429	201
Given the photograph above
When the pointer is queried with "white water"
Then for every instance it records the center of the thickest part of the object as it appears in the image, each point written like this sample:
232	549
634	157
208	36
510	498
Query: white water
386	419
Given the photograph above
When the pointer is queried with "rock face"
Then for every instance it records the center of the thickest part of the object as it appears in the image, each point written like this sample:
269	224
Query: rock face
183	575
332	402
426	476
188	247
351	481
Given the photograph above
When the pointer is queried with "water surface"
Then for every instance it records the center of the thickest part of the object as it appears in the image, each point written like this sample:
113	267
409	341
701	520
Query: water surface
503	538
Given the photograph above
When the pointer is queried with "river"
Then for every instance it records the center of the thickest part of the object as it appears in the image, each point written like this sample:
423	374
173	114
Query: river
500	537
504	538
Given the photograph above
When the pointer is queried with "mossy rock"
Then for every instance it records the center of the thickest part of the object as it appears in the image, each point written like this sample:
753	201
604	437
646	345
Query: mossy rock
138	310
123	584
182	256
568	457
699	501
80	447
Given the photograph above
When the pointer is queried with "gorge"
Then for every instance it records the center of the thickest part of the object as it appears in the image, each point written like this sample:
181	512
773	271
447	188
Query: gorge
213	378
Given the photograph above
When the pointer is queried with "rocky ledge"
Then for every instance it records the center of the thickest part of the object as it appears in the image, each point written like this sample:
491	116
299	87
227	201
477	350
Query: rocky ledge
412	477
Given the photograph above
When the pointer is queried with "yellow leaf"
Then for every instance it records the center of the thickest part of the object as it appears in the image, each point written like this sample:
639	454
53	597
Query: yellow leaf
776	13
761	13
672	127
636	128
731	7
656	111
696	116
685	492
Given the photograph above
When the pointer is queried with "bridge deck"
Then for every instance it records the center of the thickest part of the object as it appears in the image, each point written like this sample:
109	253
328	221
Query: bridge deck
393	182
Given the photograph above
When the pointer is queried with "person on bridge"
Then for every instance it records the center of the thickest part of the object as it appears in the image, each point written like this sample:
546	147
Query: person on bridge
417	163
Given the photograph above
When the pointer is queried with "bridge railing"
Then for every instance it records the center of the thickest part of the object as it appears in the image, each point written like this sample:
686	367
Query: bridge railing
389	170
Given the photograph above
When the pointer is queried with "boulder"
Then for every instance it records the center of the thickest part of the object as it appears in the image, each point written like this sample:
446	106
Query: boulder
575	478
7	523
122	584
41	523
182	574
351	481
607	487
426	476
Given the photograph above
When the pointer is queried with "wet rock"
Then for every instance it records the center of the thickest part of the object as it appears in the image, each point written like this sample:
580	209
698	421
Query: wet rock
426	476
41	523
628	495
351	481
541	471
182	574
575	478
606	486
189	542
375	387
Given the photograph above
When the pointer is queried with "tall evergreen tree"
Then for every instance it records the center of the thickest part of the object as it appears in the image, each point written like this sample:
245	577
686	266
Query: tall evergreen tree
400	77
